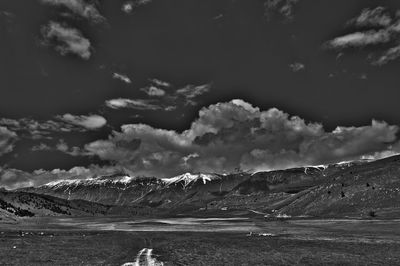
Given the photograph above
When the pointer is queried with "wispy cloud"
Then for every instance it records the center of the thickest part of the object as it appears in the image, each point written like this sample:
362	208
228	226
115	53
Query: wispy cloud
13	178
61	146
139	104
153	91
80	8
30	128
160	83
33	129
87	121
7	140
378	27
283	8
297	66
122	77
372	17
162	100
41	147
129	6
66	40
387	56
360	39
190	92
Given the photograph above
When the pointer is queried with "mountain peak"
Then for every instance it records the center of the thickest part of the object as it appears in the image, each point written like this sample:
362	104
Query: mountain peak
188	178
125	179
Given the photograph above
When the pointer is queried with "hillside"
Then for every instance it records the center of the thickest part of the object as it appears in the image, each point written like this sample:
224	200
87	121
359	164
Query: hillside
111	190
23	204
369	190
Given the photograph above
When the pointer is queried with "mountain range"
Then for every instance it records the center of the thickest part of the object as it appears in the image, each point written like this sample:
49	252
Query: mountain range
349	189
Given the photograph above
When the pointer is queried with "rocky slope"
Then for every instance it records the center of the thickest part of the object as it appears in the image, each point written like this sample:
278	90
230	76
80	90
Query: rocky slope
111	190
24	204
368	190
187	189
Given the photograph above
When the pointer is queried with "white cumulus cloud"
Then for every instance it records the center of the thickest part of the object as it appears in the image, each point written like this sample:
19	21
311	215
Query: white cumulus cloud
234	134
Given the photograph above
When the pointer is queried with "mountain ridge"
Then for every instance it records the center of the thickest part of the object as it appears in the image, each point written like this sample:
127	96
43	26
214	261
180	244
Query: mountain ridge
274	193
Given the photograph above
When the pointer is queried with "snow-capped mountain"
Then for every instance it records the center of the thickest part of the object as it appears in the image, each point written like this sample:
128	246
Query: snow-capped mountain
123	180
118	189
122	189
192	190
311	190
188	178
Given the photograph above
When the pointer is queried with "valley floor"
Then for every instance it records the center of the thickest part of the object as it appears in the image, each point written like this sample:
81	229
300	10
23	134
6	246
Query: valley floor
290	242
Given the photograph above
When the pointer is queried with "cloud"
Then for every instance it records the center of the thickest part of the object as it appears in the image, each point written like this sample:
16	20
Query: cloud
13	178
378	27
297	66
87	121
236	134
66	40
389	55
377	17
153	91
160	83
167	100
31	128
7	139
139	104
122	77
41	147
360	39
190	92
283	8
7	21
61	146
128	6
80	8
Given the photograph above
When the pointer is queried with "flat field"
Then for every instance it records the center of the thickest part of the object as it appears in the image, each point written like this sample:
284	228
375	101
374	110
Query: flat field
291	242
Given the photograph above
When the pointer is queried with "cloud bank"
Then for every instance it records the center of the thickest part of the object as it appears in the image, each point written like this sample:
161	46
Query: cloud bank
236	134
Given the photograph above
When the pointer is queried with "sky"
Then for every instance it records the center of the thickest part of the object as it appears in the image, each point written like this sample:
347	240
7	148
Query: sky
163	87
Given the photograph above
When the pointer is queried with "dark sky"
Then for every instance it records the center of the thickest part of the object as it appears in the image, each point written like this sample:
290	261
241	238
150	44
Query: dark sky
328	62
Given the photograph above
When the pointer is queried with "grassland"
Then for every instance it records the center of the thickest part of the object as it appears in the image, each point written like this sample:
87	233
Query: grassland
295	243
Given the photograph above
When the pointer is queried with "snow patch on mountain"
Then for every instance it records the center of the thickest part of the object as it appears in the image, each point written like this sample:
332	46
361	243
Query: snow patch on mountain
89	181
189	178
